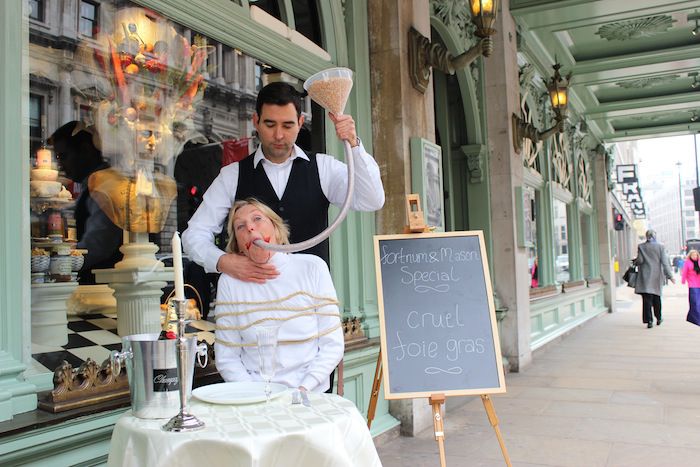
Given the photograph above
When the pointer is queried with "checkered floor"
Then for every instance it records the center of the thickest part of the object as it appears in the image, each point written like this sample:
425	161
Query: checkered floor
95	336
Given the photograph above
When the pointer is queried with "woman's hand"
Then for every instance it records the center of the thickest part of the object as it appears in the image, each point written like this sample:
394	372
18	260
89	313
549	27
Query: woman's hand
242	268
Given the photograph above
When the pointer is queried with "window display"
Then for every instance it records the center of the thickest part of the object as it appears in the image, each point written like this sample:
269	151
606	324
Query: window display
131	118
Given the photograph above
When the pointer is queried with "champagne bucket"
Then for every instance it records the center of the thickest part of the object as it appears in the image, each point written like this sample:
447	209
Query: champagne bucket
151	366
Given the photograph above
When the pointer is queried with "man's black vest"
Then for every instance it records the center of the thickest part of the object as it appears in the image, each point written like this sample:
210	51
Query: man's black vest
303	206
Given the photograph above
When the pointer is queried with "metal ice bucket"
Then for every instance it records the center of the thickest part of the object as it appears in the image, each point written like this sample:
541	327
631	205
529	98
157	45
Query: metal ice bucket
151	366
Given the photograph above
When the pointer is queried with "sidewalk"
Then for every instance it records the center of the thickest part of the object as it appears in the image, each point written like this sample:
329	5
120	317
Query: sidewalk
611	393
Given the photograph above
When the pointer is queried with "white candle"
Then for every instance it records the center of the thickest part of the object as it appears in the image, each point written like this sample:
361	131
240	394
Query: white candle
177	267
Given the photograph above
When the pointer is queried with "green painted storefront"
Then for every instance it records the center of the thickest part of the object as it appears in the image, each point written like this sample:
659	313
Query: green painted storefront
488	186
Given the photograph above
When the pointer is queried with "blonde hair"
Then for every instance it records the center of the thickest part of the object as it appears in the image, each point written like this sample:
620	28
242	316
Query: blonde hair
281	229
691	252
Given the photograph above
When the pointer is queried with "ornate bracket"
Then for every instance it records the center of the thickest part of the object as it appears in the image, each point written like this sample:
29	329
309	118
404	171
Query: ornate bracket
523	129
422	55
475	154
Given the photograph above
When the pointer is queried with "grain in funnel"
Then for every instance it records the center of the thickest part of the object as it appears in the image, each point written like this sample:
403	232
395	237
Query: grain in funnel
330	88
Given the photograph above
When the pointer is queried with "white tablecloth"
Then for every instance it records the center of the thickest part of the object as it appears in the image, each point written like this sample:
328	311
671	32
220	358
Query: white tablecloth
330	433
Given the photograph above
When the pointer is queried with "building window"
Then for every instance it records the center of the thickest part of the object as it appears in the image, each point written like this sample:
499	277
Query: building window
306	20
87	23
36	117
271	7
561	246
160	164
36	10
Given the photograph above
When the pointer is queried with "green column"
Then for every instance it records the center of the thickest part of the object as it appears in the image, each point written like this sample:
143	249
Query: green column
16	395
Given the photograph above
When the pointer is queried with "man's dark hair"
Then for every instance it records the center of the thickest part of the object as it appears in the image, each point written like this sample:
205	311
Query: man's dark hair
278	93
81	140
76	151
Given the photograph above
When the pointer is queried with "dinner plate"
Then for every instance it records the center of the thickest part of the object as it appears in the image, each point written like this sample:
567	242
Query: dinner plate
247	392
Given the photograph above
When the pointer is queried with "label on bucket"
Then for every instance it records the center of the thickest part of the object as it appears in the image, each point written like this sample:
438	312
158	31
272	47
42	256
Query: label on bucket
165	380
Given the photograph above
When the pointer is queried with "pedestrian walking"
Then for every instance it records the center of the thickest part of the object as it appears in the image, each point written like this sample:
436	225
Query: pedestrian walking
654	270
690	274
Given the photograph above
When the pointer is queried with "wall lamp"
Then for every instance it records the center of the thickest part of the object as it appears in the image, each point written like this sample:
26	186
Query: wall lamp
558	89
422	54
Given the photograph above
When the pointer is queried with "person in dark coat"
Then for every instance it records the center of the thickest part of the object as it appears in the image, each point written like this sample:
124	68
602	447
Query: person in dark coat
654	270
79	158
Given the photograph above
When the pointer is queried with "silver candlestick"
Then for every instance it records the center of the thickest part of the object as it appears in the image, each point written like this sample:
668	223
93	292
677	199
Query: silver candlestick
183	421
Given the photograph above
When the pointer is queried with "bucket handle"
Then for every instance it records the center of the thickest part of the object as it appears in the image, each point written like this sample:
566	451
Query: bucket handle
117	360
202	352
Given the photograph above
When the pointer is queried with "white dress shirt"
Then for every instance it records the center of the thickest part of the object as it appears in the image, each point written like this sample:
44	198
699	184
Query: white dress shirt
310	319
208	220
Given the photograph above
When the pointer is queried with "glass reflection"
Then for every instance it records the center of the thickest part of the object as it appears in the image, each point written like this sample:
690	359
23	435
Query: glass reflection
148	112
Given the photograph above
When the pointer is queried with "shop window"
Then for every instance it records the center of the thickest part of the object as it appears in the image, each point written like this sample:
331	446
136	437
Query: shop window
37	121
36	10
561	246
307	21
150	124
87	22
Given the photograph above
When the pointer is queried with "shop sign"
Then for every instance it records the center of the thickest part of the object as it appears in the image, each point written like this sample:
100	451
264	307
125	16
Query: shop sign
629	185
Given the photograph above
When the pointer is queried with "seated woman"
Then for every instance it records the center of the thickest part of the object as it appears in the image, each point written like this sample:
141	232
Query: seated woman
301	300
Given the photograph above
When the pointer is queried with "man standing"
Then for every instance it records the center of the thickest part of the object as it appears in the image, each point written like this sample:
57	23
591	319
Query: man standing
298	186
654	269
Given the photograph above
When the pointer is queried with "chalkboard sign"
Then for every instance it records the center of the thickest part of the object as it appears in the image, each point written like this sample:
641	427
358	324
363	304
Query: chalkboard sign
438	325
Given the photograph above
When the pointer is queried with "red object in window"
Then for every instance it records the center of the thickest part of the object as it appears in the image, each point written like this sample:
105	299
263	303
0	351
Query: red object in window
234	150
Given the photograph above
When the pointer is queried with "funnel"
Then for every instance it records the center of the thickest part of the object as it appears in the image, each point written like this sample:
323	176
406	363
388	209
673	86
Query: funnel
330	88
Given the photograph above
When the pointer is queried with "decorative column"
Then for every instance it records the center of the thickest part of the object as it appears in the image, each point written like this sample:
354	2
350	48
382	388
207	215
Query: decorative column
137	282
17	393
65	103
399	112
506	172
601	206
49	318
220	64
138	292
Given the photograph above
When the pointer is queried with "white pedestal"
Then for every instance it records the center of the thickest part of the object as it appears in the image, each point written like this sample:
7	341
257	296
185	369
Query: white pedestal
97	298
49	318
138	292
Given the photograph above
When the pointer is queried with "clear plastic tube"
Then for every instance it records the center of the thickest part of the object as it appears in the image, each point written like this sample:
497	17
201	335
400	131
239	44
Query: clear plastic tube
294	247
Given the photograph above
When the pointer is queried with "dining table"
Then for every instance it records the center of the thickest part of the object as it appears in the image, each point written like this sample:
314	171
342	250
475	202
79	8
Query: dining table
325	431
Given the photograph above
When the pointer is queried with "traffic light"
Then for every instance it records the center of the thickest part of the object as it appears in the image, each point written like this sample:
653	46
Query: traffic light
618	222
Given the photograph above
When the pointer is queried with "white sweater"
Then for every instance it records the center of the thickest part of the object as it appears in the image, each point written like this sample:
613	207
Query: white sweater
310	335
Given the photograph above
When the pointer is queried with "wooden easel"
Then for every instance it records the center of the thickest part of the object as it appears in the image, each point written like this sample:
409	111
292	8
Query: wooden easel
416	224
493	419
436	401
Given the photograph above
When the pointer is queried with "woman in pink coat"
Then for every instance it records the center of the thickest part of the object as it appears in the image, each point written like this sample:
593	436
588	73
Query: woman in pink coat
690	274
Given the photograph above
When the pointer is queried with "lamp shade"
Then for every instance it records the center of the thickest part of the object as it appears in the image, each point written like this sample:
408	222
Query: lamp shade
558	88
484	16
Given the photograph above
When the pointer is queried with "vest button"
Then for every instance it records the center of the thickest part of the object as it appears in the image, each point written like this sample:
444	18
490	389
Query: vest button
281	208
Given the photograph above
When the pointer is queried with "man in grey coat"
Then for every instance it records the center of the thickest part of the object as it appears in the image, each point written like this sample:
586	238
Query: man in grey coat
654	269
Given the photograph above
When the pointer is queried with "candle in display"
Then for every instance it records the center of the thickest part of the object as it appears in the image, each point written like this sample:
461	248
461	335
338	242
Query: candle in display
177	267
43	158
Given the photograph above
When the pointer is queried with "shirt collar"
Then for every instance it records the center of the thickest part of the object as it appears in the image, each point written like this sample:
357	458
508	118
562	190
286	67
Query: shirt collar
296	152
